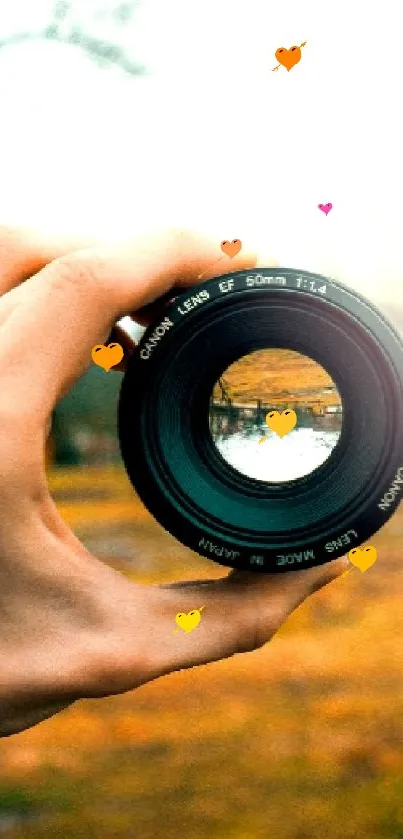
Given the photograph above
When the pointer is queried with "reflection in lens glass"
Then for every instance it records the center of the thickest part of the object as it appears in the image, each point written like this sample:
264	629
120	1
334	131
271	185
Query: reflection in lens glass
267	381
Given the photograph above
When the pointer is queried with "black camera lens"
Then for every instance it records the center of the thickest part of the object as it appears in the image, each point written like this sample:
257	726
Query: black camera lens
260	419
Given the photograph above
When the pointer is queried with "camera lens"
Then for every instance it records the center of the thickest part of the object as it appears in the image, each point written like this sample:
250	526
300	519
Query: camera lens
260	419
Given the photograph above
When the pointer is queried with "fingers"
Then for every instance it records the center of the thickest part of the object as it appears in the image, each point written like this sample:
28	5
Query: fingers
148	313
23	252
301	584
288	590
327	573
72	304
153	311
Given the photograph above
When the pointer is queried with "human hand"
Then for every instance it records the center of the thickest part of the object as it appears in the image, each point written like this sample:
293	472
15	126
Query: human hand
70	626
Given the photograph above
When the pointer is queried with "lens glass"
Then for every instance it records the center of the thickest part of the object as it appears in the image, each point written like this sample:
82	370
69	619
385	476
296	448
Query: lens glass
275	415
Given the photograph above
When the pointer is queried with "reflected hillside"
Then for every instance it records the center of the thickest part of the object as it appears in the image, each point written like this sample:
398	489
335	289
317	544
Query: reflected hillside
277	376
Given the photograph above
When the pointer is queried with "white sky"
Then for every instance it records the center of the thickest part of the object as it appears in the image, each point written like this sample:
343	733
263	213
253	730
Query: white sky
213	138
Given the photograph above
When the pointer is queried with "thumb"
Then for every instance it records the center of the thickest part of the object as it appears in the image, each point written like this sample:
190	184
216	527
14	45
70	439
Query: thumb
272	600
301	584
242	612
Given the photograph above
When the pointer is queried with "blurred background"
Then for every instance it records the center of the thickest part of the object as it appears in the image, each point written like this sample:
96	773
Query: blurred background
115	115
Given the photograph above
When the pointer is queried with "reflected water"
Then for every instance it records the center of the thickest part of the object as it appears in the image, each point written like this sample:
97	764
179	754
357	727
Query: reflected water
276	459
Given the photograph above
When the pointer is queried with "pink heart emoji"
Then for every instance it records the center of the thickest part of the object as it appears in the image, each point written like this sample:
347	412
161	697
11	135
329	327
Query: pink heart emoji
325	207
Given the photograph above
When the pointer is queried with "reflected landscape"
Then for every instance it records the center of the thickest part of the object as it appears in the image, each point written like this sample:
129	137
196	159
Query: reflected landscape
278	380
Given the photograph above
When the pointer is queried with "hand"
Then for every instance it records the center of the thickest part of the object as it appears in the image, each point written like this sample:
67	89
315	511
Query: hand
70	626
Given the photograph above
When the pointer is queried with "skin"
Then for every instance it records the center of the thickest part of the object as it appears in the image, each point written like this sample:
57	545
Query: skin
71	627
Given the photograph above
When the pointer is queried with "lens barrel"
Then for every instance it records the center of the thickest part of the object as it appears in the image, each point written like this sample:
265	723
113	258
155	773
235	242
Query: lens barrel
178	472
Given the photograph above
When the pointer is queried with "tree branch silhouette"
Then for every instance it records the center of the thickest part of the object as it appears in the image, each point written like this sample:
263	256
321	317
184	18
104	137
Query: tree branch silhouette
103	52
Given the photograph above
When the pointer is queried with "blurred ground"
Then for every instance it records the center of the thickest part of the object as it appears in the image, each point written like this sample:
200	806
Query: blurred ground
299	740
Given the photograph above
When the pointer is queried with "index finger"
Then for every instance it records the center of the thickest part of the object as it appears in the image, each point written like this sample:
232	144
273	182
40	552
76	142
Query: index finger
72	304
24	251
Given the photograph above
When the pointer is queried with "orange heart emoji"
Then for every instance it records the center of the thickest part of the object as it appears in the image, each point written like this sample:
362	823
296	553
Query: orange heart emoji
107	357
231	248
288	58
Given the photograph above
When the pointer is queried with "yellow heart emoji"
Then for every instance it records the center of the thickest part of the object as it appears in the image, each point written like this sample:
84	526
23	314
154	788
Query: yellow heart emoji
282	423
364	558
107	357
188	621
